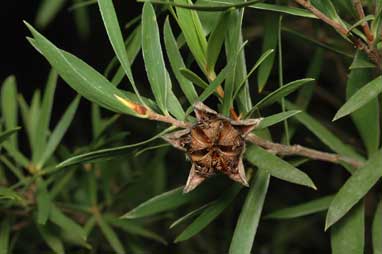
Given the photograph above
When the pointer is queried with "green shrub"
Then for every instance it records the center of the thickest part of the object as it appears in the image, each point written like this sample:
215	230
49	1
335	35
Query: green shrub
111	197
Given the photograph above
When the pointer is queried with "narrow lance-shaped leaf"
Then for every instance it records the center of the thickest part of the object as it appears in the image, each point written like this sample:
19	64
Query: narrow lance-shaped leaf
271	27
134	228
133	45
47	11
307	208
215	43
67	224
355	188
5	231
177	63
6	134
51	239
246	227
259	61
364	95
42	128
7	193
274	119
81	77
9	105
203	6
43	202
108	153
328	138
59	131
209	214
366	118
152	55
299	12
277	167
192	30
348	235
163	202
234	20
190	215
110	235
280	93
110	21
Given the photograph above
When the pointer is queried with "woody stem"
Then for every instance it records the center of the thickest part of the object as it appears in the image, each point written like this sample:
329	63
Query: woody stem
281	149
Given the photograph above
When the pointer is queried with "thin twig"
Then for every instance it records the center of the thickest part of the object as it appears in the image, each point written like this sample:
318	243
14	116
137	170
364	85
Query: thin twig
280	149
358	43
167	119
276	148
365	26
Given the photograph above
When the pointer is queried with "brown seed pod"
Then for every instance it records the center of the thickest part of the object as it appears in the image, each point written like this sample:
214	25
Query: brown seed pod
214	144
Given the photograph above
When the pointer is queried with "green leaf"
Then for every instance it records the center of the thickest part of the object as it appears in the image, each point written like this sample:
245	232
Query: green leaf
215	42
110	235
5	231
7	193
81	77
203	7
113	30
133	46
377	230
67	224
284	9
160	203
106	154
347	236
361	61
366	118
152	54
51	240
274	119
246	227
43	203
42	128
82	21
220	77
280	93
189	23
327	7
47	11
277	167
16	155
355	188
328	138
363	96
6	134
193	77
189	215
9	105
307	208
59	131
361	22
134	228
177	63
269	43
316	42
233	51
209	214
259	61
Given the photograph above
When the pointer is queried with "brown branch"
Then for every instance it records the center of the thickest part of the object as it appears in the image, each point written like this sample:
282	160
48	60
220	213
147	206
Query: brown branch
276	148
358	43
167	119
365	26
280	149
